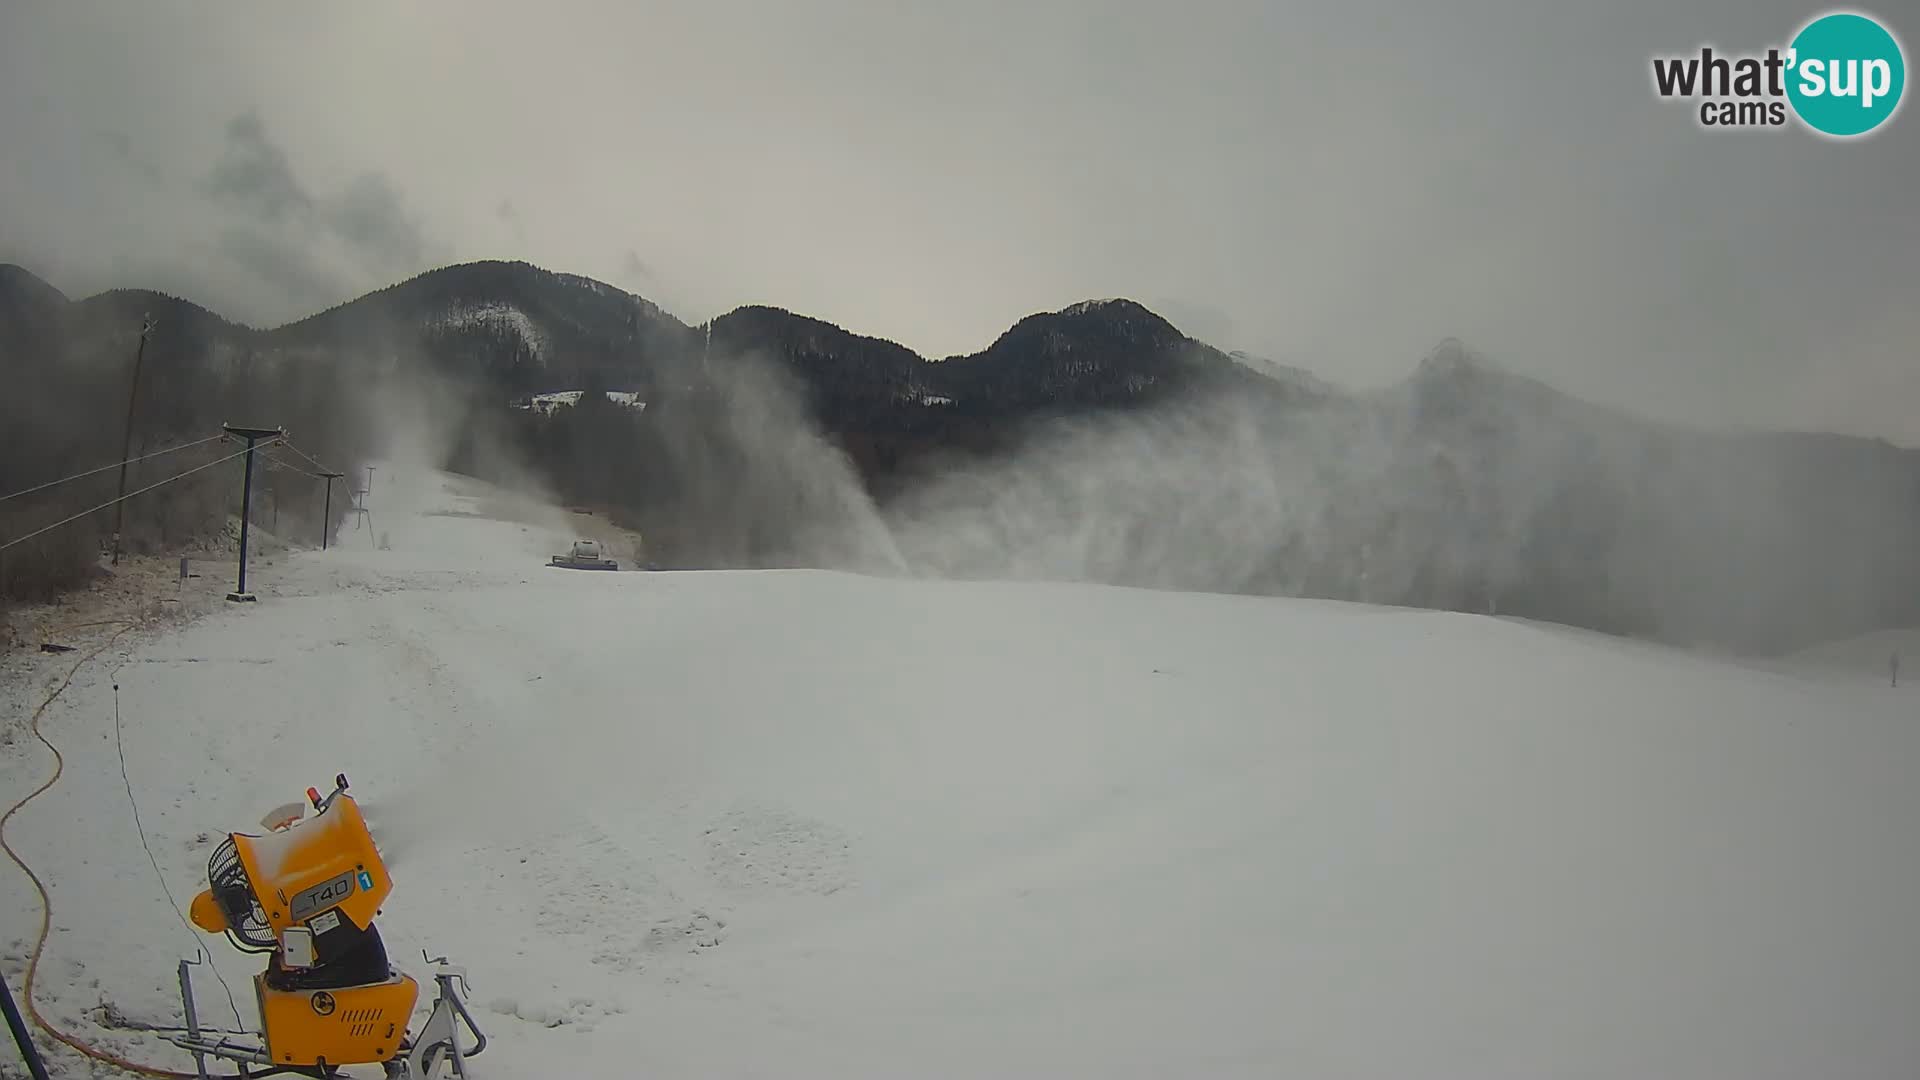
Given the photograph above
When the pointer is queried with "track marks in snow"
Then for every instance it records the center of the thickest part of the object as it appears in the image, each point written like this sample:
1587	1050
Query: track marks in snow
697	931
612	905
578	1013
756	849
645	904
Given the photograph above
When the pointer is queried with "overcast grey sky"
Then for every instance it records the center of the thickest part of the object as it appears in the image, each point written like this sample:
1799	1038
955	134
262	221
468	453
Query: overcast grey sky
1336	185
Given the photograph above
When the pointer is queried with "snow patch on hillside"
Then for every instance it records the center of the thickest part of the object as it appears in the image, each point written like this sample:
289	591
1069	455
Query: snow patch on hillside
497	316
546	403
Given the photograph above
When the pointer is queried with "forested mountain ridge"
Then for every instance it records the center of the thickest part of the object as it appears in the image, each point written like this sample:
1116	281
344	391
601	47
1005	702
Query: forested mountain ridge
1463	486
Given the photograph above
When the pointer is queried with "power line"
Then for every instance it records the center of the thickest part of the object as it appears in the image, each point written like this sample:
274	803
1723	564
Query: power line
310	458
128	495
104	468
290	467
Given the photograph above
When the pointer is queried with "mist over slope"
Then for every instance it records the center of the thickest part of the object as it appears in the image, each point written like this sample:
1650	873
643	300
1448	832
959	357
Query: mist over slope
803	823
1096	443
1463	488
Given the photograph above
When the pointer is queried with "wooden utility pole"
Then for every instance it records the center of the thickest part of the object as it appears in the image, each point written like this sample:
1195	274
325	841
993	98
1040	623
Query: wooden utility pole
126	439
326	515
252	435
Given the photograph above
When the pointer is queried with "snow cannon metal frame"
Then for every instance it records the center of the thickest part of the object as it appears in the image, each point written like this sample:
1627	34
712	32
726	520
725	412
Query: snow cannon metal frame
585	554
306	893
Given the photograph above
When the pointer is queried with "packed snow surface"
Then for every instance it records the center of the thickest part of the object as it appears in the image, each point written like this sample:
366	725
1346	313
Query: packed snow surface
805	824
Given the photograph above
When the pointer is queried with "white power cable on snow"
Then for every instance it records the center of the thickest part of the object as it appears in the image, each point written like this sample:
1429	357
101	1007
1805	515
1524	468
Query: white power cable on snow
119	746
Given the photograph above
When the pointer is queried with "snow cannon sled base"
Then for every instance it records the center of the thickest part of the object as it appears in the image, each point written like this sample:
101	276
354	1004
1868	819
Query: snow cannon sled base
306	894
584	555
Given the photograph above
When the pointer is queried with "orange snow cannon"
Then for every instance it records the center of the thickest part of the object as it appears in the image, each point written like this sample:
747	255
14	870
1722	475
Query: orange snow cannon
306	893
324	864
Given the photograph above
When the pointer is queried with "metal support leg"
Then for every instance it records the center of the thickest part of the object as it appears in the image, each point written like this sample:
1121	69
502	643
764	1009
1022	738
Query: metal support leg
439	1042
193	1017
23	1038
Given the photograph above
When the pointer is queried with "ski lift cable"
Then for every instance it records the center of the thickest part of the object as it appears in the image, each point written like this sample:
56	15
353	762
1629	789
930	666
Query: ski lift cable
291	467
310	458
115	465
128	495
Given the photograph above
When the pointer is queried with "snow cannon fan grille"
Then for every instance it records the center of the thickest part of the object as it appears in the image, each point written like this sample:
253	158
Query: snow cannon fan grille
246	921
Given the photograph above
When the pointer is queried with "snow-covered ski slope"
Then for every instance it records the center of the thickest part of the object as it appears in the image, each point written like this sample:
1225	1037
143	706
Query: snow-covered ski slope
801	824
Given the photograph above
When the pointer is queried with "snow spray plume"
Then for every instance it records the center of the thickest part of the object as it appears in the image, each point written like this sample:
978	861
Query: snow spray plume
1575	513
433	421
1464	487
1210	493
755	482
475	795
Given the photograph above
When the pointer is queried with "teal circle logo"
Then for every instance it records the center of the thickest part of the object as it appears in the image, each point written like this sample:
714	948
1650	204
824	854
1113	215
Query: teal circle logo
1846	74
